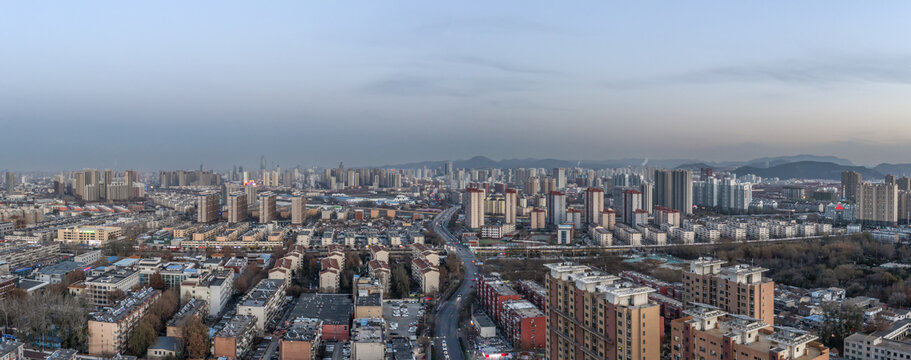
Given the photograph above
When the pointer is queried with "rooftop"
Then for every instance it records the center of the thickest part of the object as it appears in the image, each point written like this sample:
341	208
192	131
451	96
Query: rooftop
369	300
193	307
112	277
303	329
483	320
264	290
332	309
62	354
368	330
9	346
61	268
239	324
167	343
524	308
125	306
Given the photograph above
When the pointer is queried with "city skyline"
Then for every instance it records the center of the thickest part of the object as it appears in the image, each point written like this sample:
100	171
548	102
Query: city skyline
171	85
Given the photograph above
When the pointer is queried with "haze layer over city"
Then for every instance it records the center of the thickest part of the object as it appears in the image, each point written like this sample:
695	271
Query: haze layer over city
447	181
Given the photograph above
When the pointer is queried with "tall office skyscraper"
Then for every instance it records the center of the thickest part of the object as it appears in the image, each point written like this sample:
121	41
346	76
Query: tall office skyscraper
266	207
237	207
510	197
594	205
207	207
850	184
674	189
298	209
632	201
556	208
474	207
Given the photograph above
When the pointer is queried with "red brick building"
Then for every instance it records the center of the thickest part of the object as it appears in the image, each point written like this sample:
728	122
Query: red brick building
525	324
493	292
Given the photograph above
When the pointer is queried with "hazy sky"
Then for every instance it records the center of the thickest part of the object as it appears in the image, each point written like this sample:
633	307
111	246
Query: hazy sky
174	84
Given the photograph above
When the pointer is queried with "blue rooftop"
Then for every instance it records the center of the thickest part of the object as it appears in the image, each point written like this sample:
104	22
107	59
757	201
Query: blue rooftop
126	262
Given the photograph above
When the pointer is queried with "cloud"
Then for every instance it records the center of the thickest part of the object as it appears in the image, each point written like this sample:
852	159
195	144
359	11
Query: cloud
419	85
807	72
498	65
496	24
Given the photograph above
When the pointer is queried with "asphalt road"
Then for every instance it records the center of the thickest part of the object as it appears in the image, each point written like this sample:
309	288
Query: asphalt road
447	317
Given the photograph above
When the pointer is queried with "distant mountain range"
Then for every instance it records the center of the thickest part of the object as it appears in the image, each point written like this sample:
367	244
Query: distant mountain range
784	167
808	170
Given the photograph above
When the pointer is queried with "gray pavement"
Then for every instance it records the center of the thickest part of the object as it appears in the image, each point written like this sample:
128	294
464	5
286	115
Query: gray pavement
447	318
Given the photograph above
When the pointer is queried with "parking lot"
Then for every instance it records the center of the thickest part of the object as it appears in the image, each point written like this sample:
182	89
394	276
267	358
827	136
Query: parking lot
402	317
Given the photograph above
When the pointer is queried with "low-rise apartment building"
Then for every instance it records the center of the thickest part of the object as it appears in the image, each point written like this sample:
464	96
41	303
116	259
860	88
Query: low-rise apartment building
110	328
264	301
233	341
711	334
214	287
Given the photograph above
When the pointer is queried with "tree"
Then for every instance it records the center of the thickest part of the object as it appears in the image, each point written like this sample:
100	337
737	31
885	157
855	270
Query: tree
143	336
164	307
197	336
156	281
840	321
401	284
116	295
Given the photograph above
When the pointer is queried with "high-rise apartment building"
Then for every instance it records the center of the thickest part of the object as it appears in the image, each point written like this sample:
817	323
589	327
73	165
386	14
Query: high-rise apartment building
904	183
237	207
738	289
590	315
877	203
252	194
632	202
556	208
531	185
207	207
474	207
10	180
510	198
711	334
674	189
267	207
594	204
648	196
559	175
850	184
298	209
667	216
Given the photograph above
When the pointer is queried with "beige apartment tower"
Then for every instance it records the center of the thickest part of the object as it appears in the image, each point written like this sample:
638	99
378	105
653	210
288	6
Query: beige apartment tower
738	289
510	200
850	184
207	207
591	315
474	208
878	203
298	209
267	207
237	207
594	204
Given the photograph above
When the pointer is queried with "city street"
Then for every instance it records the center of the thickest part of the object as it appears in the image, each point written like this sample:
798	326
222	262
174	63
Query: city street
447	319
